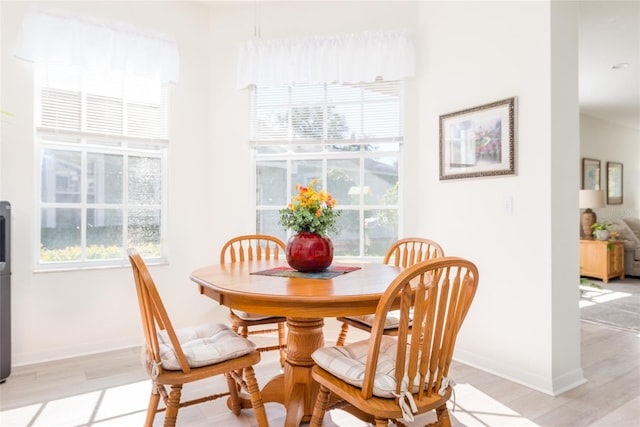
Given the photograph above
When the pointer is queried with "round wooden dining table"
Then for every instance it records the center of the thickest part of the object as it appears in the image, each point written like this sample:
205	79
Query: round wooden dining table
305	301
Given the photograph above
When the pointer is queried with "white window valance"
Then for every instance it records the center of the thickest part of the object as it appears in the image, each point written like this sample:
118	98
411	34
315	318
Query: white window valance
55	37
351	58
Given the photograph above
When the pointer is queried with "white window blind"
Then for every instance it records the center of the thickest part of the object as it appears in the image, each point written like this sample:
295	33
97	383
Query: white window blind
361	113
348	136
102	143
119	106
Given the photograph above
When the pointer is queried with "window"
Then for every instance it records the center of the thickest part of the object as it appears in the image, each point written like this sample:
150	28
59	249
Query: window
101	142
346	135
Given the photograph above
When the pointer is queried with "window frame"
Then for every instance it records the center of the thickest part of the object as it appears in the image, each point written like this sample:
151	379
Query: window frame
88	143
288	155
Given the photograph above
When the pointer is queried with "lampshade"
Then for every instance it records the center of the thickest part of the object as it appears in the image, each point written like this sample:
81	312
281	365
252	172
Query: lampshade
590	199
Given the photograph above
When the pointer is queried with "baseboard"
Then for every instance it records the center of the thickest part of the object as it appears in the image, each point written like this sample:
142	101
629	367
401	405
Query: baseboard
56	354
550	386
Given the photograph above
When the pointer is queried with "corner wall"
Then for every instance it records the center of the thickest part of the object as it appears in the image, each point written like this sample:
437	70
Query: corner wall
524	323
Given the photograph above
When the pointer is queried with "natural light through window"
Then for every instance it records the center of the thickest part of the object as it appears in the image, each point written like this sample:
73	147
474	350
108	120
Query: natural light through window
125	405
480	409
348	136
592	296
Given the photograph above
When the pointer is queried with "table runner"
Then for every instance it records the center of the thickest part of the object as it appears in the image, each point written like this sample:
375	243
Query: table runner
329	273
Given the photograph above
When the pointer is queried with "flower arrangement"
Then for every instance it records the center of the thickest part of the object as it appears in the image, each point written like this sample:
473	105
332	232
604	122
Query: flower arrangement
310	211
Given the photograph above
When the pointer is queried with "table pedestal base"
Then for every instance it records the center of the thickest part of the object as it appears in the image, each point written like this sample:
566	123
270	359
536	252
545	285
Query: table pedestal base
295	389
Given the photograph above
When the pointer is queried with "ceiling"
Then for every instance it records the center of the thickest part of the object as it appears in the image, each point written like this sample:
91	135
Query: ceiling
609	36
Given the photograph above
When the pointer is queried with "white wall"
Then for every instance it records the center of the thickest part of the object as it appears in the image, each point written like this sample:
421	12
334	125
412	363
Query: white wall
609	142
469	53
61	314
475	53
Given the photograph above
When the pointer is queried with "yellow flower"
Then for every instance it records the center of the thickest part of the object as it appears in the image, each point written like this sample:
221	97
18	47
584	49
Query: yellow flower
310	211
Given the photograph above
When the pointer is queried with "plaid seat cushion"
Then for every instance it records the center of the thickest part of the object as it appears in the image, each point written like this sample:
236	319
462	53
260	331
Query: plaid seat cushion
249	316
204	345
348	363
391	322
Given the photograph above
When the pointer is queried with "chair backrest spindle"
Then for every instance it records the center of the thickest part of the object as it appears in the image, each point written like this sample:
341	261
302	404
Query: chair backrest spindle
154	315
411	250
436	294
250	247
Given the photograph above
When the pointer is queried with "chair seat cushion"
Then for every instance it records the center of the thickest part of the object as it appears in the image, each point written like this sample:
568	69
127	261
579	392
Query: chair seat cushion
348	363
203	345
249	316
391	322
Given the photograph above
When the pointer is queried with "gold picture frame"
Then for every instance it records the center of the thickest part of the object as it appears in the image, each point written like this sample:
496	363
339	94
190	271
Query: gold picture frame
614	183
590	174
479	141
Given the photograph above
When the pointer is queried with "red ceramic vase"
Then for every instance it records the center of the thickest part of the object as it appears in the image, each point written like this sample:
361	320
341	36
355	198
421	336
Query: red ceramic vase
309	252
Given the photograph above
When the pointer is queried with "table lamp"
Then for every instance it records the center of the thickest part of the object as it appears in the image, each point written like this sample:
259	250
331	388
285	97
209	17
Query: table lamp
590	199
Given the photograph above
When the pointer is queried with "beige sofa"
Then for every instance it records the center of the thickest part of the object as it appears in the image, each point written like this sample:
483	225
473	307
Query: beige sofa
629	231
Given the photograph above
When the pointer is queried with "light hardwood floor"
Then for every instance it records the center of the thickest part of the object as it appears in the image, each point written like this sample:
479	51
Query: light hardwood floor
110	389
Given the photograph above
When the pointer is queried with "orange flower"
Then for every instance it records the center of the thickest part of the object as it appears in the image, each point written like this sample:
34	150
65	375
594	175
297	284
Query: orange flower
310	211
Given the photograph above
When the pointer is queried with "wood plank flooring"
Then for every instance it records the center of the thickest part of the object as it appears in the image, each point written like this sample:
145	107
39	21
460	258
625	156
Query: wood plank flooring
111	389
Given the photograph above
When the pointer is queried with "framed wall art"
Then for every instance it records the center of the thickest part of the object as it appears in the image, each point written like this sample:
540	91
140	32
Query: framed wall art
479	141
590	174
614	183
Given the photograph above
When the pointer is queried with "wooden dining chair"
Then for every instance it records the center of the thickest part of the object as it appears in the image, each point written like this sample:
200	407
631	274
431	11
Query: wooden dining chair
248	248
402	253
387	377
174	357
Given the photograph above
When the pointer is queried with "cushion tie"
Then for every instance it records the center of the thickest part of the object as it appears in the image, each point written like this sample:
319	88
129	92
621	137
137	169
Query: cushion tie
448	382
155	369
407	405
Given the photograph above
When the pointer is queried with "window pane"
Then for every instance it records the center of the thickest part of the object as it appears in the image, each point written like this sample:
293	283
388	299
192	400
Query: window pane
144	231
144	181
345	135
90	162
381	229
145	121
344	122
61	176
309	148
344	147
61	109
104	114
303	171
60	234
381	177
271	183
307	122
307	93
267	223
381	120
272	124
343	178
104	234
347	241
104	178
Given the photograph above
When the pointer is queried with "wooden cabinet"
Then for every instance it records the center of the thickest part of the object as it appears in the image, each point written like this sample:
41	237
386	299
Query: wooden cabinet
602	259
